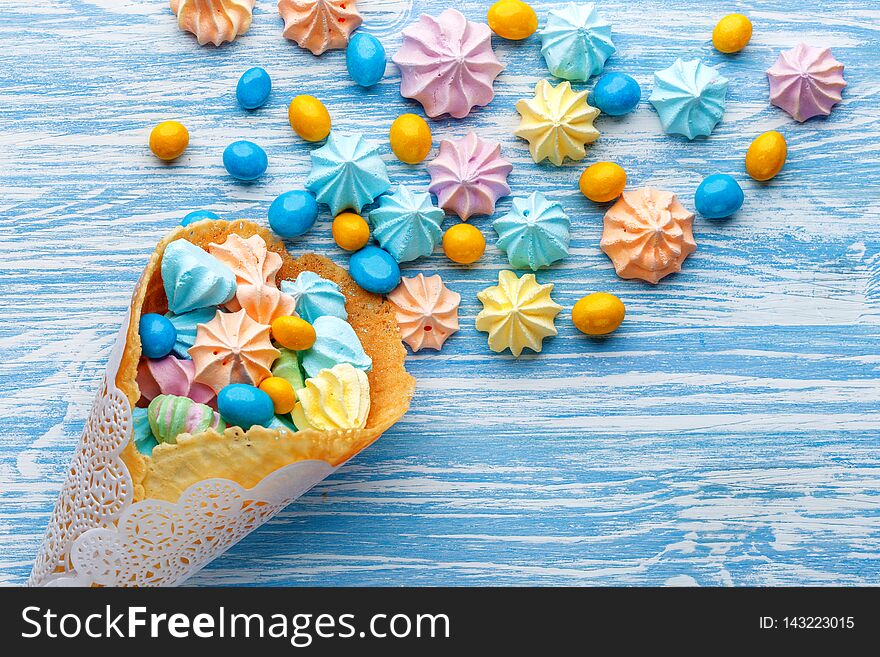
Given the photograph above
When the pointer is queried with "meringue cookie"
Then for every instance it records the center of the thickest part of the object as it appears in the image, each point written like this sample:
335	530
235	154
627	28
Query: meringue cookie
171	376
806	82
427	311
171	416
469	176
335	398
576	42
287	367
647	234
517	313
185	325
319	25
255	268
535	233
141	433
407	225
347	173
214	21
689	97
315	297
194	279
336	343
557	123
447	64
232	348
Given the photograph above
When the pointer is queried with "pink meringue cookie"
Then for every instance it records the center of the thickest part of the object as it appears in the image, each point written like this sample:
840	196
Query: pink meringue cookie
319	25
171	376
213	21
254	267
469	176
427	311
806	82
447	64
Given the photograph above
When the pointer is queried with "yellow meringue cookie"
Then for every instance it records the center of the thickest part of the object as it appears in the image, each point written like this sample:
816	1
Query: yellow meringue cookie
517	313
255	268
557	122
337	398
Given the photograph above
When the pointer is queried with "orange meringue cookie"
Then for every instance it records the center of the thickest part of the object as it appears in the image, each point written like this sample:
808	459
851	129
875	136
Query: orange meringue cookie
427	311
648	234
232	348
255	268
213	21
319	25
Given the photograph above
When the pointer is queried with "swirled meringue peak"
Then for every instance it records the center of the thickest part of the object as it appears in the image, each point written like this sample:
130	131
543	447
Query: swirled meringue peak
232	348
171	416
576	41
427	311
193	278
255	268
806	82
407	224
171	376
557	123
336	343
535	233
447	64
689	98
185	325
648	234
347	173
335	398
319	25
517	313
214	21
469	175
315	297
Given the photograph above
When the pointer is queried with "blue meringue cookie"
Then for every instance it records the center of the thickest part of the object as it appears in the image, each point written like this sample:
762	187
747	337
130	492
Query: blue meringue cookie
193	278
689	97
576	41
407	225
535	233
186	328
315	297
347	173
336	343
282	422
142	434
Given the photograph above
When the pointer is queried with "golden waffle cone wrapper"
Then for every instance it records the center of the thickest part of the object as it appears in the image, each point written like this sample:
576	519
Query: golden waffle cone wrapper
125	519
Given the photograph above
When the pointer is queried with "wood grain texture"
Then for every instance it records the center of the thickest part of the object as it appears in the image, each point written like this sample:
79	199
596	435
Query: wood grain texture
727	434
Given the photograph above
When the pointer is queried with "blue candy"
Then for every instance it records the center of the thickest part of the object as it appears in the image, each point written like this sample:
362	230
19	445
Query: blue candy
293	213
158	335
616	94
198	215
365	59
253	88
245	160
244	406
718	196
374	270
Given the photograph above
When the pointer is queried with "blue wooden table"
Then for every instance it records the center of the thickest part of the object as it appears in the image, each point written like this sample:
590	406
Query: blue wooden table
727	434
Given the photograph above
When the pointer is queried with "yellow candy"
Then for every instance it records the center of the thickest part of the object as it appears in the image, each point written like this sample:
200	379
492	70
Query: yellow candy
281	392
168	140
410	138
464	244
512	19
350	231
293	332
309	118
598	314
732	33
602	182
766	155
